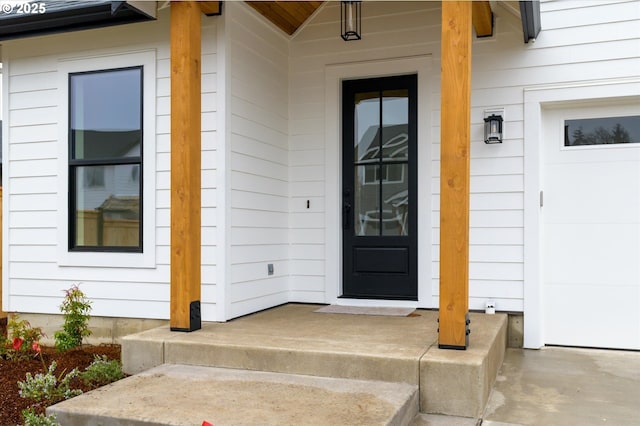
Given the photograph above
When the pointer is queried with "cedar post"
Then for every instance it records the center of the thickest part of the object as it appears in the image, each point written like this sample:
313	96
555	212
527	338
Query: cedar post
185	166
454	174
482	18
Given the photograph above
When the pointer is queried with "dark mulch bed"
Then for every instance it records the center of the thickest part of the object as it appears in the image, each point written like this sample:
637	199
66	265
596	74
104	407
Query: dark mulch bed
11	404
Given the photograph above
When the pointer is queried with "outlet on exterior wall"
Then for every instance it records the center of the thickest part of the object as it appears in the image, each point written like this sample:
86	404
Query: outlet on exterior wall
270	268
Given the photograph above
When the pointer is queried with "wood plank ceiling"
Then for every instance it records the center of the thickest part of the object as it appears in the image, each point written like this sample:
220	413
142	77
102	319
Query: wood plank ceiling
286	15
290	15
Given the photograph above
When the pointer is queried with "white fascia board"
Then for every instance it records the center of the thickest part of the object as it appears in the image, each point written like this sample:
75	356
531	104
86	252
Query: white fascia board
149	8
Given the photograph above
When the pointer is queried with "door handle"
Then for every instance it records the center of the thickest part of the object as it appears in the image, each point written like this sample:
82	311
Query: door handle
346	209
346	216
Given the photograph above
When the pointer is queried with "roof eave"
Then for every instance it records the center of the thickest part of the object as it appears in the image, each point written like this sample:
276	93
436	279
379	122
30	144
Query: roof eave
93	15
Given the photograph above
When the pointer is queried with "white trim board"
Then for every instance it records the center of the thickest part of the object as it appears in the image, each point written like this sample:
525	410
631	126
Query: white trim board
334	74
4	110
377	303
223	172
95	62
365	310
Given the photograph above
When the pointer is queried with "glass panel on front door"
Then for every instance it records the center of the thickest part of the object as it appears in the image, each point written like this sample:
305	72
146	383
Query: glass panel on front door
379	188
381	158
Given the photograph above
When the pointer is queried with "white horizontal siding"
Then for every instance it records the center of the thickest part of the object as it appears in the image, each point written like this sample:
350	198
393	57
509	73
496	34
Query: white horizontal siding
391	30
35	279
100	307
209	181
259	128
276	123
580	41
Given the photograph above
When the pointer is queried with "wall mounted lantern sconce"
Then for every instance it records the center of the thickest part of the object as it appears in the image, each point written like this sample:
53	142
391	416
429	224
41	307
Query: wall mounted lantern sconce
350	20
493	127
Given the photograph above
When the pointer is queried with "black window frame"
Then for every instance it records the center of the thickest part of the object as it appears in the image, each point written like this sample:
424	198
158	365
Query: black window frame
590	138
76	163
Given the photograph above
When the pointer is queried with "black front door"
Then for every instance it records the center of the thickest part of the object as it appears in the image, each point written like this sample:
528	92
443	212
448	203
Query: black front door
379	175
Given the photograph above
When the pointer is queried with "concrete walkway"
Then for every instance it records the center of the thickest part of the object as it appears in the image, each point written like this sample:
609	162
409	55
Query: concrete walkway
563	386
560	386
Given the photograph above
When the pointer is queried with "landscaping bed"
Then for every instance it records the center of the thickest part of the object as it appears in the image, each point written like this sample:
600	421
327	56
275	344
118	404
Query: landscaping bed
33	377
12	371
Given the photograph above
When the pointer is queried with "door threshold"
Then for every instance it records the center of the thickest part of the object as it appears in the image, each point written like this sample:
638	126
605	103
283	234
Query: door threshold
382	303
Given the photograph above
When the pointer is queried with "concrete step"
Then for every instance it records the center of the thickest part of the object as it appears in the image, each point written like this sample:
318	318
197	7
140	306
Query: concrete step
293	339
188	395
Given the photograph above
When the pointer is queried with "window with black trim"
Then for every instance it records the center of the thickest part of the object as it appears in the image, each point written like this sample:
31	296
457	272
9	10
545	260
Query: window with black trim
105	160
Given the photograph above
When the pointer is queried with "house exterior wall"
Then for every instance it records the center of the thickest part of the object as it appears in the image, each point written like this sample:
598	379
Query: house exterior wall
580	42
403	30
259	129
270	163
37	266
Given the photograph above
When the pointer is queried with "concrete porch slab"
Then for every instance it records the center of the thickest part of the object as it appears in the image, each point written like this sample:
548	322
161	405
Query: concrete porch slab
458	383
188	395
293	339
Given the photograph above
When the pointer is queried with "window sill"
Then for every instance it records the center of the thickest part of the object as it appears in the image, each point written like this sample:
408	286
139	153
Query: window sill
107	260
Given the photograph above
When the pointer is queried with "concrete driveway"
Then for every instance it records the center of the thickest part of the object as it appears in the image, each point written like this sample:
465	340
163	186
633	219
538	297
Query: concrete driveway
561	386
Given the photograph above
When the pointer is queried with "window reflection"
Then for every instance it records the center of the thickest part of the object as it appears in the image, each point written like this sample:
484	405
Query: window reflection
107	215
366	126
106	158
381	163
105	114
602	131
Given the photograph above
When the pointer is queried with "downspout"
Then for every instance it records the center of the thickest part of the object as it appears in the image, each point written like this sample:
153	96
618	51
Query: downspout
530	16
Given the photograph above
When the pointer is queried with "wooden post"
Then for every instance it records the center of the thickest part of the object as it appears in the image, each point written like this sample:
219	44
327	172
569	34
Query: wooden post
185	166
482	18
454	174
211	8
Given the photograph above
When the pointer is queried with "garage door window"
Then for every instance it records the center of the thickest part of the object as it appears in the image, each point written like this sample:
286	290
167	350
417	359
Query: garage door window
602	131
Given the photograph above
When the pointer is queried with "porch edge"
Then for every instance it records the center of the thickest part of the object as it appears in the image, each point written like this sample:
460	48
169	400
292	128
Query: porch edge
458	383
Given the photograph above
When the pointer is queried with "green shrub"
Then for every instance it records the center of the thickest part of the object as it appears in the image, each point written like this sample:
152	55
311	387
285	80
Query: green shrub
75	309
102	371
47	387
32	419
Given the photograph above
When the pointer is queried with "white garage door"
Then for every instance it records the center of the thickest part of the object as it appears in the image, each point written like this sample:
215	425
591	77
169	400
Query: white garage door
591	232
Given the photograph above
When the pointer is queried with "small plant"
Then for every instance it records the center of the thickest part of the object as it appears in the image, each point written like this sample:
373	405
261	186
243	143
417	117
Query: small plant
102	371
75	308
47	387
32	419
23	341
